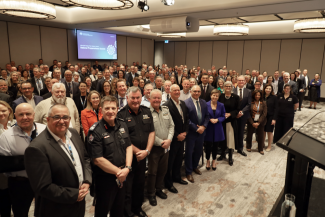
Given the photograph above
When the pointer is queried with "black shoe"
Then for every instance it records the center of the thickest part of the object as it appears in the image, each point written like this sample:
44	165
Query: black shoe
230	157
152	200
242	153
214	168
299	109
161	194
141	213
221	157
182	182
173	190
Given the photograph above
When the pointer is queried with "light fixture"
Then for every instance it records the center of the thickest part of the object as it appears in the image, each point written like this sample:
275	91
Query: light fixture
309	25
102	4
28	8
231	29
168	2
172	35
142	5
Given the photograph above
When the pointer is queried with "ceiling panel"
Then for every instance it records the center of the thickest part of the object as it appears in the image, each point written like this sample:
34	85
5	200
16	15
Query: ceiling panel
205	23
301	15
227	20
261	18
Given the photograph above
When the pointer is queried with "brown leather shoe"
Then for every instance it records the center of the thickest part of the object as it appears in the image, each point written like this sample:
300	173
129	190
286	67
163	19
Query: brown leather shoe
190	178
197	171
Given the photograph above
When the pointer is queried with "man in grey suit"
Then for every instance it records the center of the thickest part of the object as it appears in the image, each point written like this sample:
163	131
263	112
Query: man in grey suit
71	86
245	97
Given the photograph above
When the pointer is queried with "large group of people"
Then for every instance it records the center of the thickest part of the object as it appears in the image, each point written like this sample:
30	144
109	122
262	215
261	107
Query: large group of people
67	131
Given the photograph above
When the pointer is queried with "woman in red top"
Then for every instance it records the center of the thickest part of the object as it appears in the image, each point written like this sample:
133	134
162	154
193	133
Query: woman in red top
91	113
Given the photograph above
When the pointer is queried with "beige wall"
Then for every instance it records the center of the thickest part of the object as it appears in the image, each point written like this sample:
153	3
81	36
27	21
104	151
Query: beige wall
25	43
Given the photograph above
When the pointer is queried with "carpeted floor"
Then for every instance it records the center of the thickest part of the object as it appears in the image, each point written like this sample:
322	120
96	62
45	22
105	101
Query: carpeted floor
249	188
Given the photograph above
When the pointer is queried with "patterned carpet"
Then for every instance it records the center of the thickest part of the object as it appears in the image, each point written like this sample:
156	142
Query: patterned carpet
249	188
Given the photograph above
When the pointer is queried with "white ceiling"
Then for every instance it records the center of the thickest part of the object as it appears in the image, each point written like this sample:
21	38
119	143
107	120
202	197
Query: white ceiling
209	12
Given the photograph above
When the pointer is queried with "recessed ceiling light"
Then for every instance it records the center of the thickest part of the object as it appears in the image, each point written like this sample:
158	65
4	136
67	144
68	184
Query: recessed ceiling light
172	35
310	25
102	4
231	29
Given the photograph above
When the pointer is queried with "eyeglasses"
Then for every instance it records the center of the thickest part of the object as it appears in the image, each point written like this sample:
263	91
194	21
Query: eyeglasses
56	118
26	88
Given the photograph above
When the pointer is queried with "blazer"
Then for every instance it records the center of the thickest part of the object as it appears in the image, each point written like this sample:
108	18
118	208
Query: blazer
208	90
75	87
129	79
249	86
214	132
53	177
263	112
245	103
22	99
272	106
291	83
47	95
193	119
44	91
33	81
180	126
77	101
88	118
6	98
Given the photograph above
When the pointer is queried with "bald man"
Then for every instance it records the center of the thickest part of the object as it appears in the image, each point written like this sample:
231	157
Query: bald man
13	144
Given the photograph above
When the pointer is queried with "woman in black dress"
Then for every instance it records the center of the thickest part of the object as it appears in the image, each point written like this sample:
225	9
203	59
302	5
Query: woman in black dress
288	103
314	90
272	113
231	103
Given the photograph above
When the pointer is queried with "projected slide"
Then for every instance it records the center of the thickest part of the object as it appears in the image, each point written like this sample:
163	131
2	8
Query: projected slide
96	45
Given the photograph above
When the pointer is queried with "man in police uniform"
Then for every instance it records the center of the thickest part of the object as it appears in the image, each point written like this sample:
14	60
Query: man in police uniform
110	148
158	159
142	134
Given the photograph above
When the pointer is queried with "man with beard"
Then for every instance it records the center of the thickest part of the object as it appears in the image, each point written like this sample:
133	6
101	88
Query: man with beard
58	97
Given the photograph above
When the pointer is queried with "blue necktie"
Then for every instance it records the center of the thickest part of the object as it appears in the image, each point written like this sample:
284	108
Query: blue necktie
199	114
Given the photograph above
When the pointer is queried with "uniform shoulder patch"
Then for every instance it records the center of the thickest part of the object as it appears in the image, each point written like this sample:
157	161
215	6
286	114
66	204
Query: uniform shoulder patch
93	126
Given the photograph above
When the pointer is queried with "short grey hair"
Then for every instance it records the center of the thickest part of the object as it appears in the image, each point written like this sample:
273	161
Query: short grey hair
158	77
56	105
1	80
36	69
286	73
57	85
67	71
168	82
76	73
193	79
133	89
195	86
155	91
261	76
145	87
242	76
227	83
174	85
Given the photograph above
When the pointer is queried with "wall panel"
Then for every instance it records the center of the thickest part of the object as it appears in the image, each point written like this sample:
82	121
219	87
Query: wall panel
290	55
220	51
25	43
180	54
159	53
270	56
121	49
235	55
147	51
252	55
133	50
4	54
205	54
312	55
192	54
169	53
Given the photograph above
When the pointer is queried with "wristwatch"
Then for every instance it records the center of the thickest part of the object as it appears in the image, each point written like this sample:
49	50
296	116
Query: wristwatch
128	167
148	152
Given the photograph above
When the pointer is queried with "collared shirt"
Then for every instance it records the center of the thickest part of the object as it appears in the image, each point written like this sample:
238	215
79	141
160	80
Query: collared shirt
163	123
194	101
178	106
306	81
276	85
14	142
123	99
164	97
184	96
9	124
145	102
238	91
30	101
179	77
65	147
71	88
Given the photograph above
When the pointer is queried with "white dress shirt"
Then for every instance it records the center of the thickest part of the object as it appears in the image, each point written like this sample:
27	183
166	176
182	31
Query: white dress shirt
145	102
124	100
194	101
31	101
178	106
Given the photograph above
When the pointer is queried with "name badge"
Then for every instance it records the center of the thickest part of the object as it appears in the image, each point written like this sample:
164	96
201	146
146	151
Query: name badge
145	117
129	119
256	117
165	114
122	130
290	99
106	136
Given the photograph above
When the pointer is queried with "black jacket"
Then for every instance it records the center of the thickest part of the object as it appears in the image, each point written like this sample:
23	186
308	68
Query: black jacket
208	90
272	106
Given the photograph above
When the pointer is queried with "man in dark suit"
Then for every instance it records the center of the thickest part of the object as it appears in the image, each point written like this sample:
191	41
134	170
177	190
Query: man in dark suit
71	86
206	88
97	66
198	122
83	74
254	77
81	99
133	74
179	77
245	97
27	97
286	80
38	82
178	111
107	77
55	62
6	98
58	168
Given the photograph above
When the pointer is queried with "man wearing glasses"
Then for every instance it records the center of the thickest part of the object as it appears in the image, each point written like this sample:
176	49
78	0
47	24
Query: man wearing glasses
58	167
13	144
28	96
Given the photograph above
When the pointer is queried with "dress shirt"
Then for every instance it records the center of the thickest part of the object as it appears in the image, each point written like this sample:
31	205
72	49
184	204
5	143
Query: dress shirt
242	91
306	81
178	106
164	97
65	148
194	101
183	96
204	86
39	84
124	100
254	79
179	79
276	86
71	88
31	101
145	102
49	74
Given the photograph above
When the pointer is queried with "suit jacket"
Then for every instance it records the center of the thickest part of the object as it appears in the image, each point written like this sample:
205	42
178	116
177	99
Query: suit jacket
44	91
254	80
22	99
6	98
53	177
33	81
193	119
214	132
77	101
303	78
75	87
180	126
272	106
245	103
250	86
130	79
208	90
263	112
293	85
47	95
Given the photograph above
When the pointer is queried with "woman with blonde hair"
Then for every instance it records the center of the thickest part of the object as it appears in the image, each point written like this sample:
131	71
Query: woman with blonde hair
113	86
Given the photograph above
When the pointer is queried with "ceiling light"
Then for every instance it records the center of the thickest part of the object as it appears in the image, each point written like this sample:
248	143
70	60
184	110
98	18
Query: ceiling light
310	25
28	8
102	4
168	2
231	29
172	35
142	5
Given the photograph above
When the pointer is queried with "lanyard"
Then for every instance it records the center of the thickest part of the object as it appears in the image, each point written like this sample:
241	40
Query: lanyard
83	102
70	149
30	137
258	107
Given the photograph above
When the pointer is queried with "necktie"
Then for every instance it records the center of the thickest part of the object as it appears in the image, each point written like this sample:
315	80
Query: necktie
69	87
204	90
38	84
240	94
167	96
199	115
121	102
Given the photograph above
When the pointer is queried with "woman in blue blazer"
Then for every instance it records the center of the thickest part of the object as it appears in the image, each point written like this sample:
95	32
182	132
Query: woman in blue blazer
214	132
